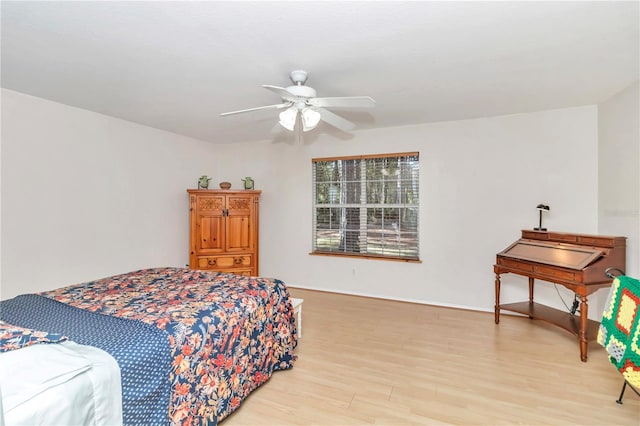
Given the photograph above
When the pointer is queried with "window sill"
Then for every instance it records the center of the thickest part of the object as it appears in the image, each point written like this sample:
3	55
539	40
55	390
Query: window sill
364	256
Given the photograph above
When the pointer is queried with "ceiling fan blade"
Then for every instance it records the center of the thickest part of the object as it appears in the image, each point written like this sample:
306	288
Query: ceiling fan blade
335	120
280	91
276	106
343	102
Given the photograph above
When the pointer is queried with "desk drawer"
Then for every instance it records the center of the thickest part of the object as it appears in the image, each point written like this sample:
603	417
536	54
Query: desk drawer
515	264
551	272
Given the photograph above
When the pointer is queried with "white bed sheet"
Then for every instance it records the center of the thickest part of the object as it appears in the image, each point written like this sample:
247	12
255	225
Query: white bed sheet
59	384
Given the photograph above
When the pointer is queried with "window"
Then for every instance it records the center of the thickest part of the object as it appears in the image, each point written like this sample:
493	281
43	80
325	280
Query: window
366	206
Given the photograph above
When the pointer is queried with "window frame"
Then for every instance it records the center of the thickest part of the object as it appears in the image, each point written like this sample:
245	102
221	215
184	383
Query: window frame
365	204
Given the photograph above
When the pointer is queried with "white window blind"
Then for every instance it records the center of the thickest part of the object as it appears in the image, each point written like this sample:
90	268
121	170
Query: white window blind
367	205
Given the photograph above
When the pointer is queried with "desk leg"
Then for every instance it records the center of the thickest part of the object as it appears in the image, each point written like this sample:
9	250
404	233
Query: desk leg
584	311
531	281
497	306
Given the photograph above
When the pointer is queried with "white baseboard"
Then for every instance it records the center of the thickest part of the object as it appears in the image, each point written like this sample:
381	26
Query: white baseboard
397	299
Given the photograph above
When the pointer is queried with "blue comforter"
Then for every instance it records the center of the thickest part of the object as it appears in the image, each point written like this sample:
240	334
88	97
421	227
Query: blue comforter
142	351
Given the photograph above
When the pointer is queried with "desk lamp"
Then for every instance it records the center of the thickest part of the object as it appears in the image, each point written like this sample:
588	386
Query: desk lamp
541	208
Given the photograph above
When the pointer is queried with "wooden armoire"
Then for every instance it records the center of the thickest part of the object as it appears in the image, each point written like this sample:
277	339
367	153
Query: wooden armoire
224	230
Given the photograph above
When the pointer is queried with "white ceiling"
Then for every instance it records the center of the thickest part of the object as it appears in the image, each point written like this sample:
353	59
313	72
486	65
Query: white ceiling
178	65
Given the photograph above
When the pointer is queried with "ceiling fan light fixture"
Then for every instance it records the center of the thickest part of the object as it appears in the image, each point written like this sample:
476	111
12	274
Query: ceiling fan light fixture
310	119
288	118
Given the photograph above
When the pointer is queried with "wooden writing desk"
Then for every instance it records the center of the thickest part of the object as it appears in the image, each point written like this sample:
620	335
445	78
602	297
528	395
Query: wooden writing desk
576	261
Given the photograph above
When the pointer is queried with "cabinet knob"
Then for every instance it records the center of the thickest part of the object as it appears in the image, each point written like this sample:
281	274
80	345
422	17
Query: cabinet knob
237	260
211	262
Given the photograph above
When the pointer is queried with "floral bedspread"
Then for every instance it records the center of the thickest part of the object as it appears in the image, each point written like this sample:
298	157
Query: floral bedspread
228	333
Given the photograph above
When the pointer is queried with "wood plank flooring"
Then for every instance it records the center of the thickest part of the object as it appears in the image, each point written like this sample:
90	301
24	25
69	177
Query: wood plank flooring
369	361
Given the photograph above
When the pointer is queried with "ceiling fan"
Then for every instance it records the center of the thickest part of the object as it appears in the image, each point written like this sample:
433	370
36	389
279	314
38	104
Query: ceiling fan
303	106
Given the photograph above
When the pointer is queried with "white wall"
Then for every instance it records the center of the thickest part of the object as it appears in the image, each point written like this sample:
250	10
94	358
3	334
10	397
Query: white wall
619	171
86	196
480	182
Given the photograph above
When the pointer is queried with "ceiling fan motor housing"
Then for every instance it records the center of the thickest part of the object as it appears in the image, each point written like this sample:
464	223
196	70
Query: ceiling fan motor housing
302	91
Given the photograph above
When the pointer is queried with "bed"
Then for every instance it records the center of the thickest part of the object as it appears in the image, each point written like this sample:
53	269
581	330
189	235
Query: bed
191	345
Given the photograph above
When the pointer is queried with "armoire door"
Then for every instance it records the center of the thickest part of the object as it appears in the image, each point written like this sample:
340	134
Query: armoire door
210	232
239	229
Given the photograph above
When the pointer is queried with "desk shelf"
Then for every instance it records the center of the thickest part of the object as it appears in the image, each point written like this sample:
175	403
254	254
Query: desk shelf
553	316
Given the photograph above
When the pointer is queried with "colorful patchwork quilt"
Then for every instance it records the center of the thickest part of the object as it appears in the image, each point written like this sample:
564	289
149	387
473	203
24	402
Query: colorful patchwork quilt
619	330
227	333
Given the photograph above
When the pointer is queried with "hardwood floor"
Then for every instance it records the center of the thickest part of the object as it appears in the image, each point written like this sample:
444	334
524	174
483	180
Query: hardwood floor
371	361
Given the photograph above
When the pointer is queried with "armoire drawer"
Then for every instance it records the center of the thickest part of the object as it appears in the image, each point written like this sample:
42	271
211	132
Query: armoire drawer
225	262
244	272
